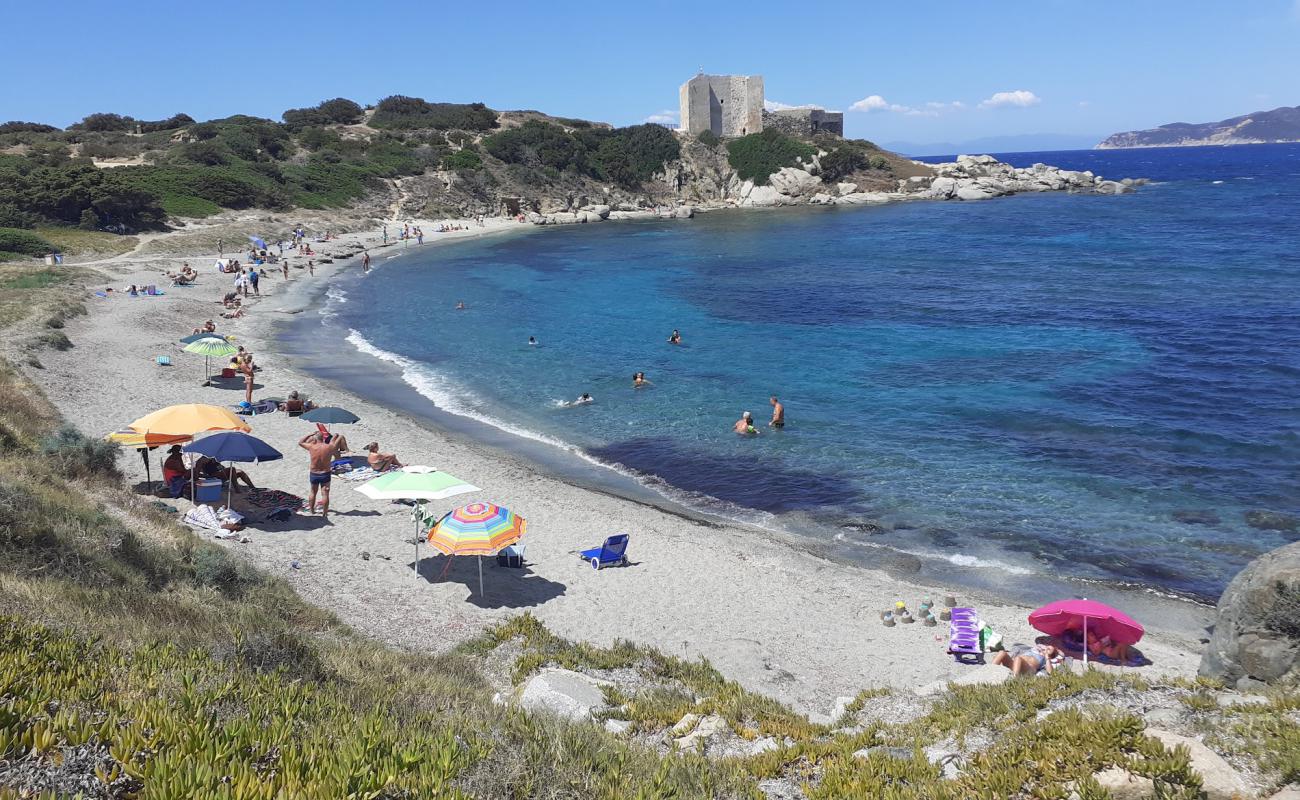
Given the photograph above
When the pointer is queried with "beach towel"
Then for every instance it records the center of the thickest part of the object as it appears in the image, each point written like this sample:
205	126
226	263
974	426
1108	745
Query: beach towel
102	294
359	474
273	498
203	517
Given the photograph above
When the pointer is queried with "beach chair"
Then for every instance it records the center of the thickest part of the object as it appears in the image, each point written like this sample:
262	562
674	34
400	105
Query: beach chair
613	551
163	361
964	636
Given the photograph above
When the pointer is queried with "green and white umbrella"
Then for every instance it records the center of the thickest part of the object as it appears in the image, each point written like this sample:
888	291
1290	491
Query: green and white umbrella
416	483
210	347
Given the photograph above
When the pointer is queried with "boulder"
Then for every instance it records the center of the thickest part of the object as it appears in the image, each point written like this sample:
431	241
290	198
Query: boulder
846	188
703	730
684	212
1287	793
1257	624
942	188
601	211
1272	521
916	183
590	216
765	196
1124	785
564	693
562	218
1219	781
974	193
864	198
821	199
618	726
794	182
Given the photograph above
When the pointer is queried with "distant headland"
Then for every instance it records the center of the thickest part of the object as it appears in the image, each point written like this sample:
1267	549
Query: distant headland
1262	127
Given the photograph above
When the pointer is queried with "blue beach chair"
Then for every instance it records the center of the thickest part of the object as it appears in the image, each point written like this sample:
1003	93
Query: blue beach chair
613	551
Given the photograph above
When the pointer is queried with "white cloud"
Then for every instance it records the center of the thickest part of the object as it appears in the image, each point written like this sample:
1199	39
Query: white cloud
1021	98
875	102
773	105
1084	103
665	117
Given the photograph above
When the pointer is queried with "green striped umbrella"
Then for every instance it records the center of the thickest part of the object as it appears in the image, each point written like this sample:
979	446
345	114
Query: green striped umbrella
210	347
416	483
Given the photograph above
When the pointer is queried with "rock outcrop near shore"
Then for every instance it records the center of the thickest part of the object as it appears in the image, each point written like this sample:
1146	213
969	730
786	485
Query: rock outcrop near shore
1257	631
969	178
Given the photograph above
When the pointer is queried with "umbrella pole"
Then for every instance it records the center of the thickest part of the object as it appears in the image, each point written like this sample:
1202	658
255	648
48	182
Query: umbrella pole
230	490
417	549
1085	642
148	479
480	576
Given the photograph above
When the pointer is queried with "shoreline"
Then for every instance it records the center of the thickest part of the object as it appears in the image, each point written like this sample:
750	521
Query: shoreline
382	380
782	620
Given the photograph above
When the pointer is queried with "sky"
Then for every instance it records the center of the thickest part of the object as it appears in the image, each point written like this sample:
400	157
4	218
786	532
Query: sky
918	71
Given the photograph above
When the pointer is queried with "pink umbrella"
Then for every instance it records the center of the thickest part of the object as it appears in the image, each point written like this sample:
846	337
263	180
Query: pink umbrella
1065	615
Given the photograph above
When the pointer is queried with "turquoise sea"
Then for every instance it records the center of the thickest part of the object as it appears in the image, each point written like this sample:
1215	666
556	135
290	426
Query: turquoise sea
1087	387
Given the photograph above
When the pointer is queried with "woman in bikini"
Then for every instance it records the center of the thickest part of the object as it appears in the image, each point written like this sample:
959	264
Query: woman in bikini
1024	660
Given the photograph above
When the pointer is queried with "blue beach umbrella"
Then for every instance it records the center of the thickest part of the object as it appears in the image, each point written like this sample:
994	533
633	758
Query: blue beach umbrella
258	243
231	446
331	415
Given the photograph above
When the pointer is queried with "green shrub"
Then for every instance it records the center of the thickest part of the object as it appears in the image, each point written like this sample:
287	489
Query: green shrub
18	241
339	111
316	138
708	139
104	122
841	162
15	126
174	122
462	159
79	456
401	112
11	216
756	156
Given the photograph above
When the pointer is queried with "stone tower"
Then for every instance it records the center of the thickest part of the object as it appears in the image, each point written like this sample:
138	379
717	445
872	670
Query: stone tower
728	105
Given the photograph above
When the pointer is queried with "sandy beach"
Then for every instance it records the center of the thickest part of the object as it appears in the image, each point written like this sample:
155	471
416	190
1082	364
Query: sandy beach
776	616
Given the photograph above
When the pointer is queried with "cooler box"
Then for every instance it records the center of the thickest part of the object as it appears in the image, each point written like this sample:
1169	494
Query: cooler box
207	490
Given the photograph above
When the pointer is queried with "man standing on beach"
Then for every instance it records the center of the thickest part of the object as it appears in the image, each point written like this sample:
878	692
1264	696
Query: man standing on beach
365	262
778	413
321	457
253	277
221	247
385	234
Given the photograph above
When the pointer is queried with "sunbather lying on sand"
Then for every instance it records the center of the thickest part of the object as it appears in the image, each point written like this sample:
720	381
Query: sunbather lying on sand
1023	660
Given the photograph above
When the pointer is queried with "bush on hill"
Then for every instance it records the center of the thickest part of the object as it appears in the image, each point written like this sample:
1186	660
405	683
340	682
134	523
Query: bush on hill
104	122
16	126
13	240
625	156
756	156
708	139
462	159
62	195
405	113
842	161
339	111
174	122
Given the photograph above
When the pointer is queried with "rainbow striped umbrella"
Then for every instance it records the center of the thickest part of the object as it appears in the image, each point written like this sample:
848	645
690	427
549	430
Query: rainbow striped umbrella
478	529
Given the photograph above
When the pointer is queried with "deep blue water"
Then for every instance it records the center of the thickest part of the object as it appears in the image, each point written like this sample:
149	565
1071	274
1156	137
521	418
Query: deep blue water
1030	384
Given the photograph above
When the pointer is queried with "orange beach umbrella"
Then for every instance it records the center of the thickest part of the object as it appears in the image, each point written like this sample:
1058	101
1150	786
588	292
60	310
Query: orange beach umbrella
188	419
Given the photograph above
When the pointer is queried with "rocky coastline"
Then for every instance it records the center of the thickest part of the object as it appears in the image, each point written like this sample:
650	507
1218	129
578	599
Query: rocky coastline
969	178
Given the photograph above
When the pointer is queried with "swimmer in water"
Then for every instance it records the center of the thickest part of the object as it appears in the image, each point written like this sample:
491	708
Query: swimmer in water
639	380
581	401
532	341
745	425
460	305
778	413
676	338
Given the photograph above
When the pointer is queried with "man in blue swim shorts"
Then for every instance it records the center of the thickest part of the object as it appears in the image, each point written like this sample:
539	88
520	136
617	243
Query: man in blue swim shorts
321	450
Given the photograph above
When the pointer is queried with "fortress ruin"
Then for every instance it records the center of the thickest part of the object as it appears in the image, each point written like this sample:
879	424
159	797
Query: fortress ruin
727	105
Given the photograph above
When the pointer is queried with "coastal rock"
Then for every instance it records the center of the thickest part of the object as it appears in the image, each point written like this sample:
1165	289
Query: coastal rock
864	198
942	188
1219	780
974	193
564	693
1124	785
1272	521
821	199
762	196
562	218
846	188
794	182
601	211
618	726
684	212
1287	793
1256	633
700	729
590	216
640	214
916	183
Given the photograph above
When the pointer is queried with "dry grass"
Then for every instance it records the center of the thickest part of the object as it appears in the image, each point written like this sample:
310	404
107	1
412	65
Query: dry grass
80	244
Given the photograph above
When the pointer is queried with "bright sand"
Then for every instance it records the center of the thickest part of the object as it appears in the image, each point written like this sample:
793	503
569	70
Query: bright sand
768	612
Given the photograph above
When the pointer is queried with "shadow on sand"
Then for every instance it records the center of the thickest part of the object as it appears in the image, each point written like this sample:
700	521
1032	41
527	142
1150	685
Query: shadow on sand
502	587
